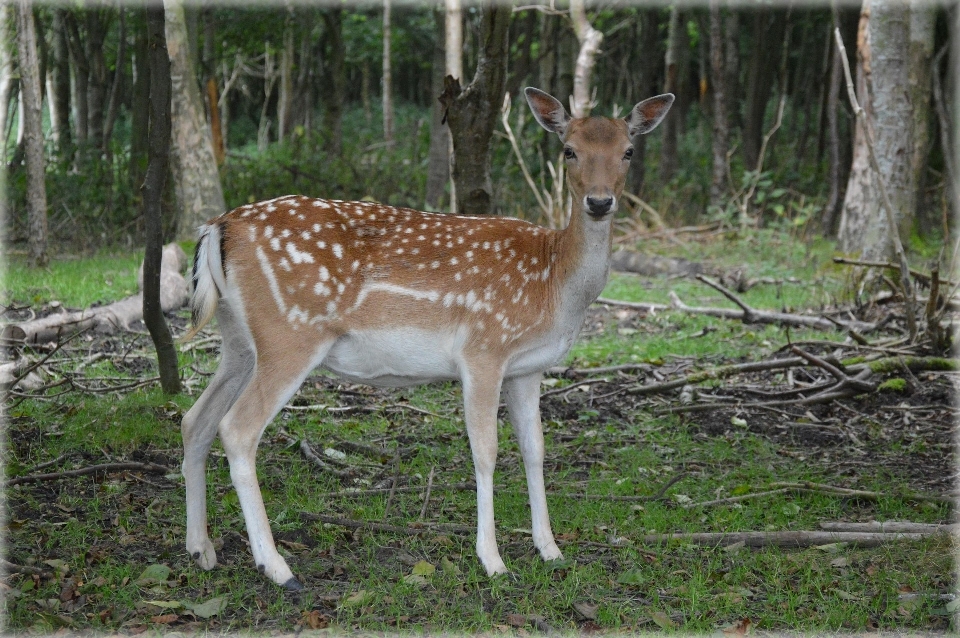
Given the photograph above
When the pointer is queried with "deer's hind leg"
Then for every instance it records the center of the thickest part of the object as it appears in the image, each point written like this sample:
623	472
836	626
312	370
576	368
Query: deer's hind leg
199	428
277	376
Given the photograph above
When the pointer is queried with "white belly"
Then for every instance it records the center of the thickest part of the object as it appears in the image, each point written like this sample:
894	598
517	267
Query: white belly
395	358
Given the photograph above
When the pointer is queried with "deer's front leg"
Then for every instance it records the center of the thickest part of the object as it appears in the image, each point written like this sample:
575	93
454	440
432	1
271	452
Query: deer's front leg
523	404
481	396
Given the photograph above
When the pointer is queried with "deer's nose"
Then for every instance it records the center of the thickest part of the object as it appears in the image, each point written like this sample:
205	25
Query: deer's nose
599	205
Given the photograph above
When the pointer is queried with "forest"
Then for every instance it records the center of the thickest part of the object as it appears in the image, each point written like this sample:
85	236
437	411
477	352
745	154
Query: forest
753	432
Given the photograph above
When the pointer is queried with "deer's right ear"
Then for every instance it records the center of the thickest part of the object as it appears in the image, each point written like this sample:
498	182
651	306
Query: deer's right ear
548	110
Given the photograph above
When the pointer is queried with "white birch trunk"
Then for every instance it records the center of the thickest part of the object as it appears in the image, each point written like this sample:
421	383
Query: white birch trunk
581	102
453	47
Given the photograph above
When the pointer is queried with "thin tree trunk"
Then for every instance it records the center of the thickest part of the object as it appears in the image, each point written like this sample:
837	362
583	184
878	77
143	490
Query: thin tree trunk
731	60
197	183
139	105
209	65
6	87
835	180
882	77
721	125
61	84
922	20
453	56
387	76
474	111
646	67
438	162
33	134
334	94
269	79
768	33
668	154
118	78
97	26
81	74
285	97
160	69
365	91
590	39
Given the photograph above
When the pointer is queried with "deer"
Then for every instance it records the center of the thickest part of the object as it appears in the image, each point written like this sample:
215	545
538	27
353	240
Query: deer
394	297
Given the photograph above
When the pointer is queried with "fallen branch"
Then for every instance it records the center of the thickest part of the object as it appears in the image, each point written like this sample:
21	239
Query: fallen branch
12	568
748	314
922	278
94	469
887	527
454	487
785	539
717	373
309	454
174	293
808	486
633	305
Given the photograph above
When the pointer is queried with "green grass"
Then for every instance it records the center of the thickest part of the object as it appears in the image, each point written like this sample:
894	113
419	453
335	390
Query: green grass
73	281
107	530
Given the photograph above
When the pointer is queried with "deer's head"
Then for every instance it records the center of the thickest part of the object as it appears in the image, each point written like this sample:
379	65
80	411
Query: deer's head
597	150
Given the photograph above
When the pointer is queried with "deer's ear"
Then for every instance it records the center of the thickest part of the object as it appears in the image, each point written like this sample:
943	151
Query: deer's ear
548	110
647	114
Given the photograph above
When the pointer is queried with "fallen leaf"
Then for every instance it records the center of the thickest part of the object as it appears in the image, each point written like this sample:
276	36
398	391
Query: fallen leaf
663	620
58	565
587	610
845	595
416	579
423	568
631	577
335	454
207	609
315	620
737	421
840	562
292	545
165	619
357	598
154	574
448	566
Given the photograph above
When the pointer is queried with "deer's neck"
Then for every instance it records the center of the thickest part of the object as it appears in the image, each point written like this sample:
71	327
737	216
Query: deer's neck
585	248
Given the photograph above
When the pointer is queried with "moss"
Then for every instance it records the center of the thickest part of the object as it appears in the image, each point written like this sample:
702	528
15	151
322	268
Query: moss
853	361
893	385
914	364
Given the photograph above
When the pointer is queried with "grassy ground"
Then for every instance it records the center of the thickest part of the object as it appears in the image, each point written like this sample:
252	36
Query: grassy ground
96	536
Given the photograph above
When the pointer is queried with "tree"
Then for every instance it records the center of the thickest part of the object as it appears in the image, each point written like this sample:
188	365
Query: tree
196	180
334	92
721	125
882	76
590	39
922	19
438	161
769	27
668	154
152	192
6	87
646	65
387	77
474	111
33	133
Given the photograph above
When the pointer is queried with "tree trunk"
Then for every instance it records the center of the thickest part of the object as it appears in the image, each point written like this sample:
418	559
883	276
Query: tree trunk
731	61
285	97
453	55
81	73
160	76
6	87
474	111
33	133
61	84
590	40
387	76
922	20
139	105
196	180
334	94
882	77
209	65
97	26
668	154
438	162
721	125
269	79
835	196
648	61
118	79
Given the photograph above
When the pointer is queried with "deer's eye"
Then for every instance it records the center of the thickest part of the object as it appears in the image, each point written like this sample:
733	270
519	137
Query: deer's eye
628	154
568	153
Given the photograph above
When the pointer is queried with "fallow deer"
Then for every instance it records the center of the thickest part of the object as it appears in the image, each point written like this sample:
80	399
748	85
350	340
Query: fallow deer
395	297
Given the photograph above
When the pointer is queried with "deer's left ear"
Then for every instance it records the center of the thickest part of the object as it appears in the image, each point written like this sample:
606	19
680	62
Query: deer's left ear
647	114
